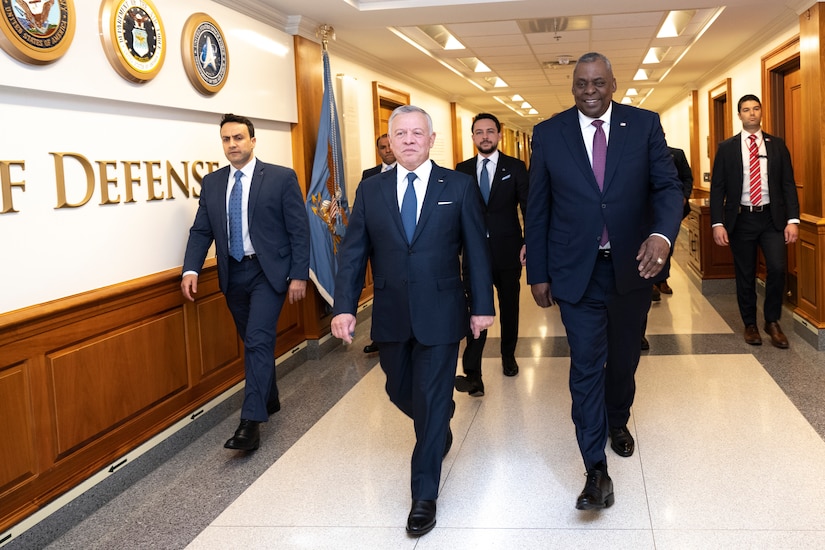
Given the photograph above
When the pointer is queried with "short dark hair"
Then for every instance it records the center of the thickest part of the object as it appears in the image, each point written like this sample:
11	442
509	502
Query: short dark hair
486	116
747	97
382	136
591	57
229	117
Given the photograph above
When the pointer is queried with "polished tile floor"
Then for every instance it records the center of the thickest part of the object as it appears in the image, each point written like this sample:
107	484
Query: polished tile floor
729	454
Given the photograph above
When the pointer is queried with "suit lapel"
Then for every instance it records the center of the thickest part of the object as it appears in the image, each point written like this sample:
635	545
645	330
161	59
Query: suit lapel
254	191
575	144
434	189
388	187
620	129
502	169
222	185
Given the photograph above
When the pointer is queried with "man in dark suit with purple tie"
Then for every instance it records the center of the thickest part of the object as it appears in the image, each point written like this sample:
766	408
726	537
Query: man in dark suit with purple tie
605	205
503	182
413	224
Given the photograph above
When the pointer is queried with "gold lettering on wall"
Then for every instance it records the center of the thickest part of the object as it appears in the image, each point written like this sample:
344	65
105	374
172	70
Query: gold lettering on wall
173	177
106	181
75	183
152	179
6	184
60	179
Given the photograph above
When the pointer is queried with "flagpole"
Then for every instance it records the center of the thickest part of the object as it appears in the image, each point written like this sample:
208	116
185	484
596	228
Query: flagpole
325	32
326	204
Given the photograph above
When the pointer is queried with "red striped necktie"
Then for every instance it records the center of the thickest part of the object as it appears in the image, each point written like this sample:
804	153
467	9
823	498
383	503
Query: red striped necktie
756	176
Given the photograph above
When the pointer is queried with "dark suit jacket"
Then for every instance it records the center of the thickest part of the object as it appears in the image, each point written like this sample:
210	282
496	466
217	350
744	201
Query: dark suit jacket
685	175
369	172
642	195
727	182
508	191
418	286
278	225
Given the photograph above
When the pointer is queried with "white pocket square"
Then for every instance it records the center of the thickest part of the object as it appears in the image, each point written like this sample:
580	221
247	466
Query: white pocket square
444	202
506	177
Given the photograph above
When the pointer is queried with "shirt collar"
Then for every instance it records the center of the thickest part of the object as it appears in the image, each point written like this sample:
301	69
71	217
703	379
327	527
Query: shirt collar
586	121
247	170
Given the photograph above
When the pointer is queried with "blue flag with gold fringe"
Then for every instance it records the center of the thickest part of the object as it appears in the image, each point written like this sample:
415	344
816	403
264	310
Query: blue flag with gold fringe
327	204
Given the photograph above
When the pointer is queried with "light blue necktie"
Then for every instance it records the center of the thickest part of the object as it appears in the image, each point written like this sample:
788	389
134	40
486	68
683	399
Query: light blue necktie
484	181
409	205
236	218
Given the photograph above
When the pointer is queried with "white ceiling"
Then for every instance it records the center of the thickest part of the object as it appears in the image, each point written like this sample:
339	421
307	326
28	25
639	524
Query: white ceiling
517	38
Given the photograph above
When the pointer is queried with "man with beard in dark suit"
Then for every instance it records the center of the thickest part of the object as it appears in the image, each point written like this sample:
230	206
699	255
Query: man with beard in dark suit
503	182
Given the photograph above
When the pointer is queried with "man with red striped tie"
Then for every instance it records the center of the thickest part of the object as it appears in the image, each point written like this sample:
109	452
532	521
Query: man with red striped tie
753	204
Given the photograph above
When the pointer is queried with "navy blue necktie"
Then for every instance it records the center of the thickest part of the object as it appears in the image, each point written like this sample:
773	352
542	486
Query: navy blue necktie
409	206
236	218
484	181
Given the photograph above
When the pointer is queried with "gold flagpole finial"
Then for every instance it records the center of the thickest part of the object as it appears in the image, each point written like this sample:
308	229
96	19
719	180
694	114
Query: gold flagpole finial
325	33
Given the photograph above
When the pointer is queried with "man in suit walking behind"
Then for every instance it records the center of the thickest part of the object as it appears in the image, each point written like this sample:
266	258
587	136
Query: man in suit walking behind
255	214
753	203
503	182
382	144
413	223
605	206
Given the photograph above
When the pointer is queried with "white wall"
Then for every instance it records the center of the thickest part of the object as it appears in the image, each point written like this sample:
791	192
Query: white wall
80	105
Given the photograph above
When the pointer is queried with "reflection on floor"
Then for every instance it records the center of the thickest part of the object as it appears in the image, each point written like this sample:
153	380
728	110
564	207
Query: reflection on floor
729	453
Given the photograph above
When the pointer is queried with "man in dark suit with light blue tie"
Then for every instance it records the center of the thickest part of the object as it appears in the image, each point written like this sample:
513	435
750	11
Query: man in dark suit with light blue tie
255	214
412	224
503	182
605	205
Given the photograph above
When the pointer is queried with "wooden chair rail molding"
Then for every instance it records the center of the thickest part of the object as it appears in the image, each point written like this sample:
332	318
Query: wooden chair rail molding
88	378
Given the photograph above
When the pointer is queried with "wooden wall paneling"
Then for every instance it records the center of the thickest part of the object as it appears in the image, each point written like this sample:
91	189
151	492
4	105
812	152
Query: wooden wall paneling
309	79
86	379
17	444
97	386
455	122
695	160
811	249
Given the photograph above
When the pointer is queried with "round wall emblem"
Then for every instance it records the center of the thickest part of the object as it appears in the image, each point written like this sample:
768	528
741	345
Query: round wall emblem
205	56
36	31
133	38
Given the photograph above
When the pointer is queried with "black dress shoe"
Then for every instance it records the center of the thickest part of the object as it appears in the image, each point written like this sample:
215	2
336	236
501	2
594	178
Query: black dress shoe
621	441
372	347
449	442
645	344
273	406
470	384
247	437
422	517
509	366
598	491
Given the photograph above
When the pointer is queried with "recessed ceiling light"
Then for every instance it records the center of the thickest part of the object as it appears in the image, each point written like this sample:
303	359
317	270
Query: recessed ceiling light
675	23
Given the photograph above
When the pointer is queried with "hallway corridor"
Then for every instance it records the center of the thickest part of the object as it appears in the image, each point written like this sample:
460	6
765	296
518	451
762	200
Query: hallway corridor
729	454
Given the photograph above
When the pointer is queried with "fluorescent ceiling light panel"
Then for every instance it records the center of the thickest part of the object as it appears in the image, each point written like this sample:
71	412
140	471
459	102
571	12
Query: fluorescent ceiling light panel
441	36
675	23
655	55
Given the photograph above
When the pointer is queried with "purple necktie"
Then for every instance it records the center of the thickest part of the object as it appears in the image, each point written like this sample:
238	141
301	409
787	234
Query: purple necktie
599	159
